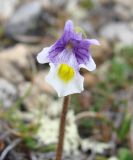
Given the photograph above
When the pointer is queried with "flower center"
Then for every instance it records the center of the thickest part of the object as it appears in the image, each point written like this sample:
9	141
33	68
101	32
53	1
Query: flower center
66	72
69	45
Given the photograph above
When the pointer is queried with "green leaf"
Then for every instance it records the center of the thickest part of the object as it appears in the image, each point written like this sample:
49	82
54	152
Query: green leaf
118	73
125	154
30	142
98	157
124	129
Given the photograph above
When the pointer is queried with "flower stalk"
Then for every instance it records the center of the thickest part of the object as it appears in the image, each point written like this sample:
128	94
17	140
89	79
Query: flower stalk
59	150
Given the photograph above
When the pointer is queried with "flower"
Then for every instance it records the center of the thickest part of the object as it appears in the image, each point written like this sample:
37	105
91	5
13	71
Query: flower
65	57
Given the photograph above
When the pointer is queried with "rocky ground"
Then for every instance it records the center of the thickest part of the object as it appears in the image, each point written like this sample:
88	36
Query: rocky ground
99	122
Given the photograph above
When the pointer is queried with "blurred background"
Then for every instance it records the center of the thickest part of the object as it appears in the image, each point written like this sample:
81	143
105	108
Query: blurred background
99	122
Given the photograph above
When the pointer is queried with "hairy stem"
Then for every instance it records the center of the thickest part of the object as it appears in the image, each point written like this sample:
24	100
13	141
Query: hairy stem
62	128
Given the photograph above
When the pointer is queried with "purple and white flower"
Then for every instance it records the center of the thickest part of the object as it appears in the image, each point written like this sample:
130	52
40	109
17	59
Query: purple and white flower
65	57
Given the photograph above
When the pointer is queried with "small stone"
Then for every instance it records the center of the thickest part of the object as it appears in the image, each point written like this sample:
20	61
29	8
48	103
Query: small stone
17	63
7	8
113	158
85	99
127	3
51	3
39	92
117	31
16	55
122	12
10	72
35	97
24	18
97	147
72	8
100	54
102	70
42	85
8	93
88	27
90	80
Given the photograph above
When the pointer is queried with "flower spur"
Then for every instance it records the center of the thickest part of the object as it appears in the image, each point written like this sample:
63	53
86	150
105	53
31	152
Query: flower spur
65	57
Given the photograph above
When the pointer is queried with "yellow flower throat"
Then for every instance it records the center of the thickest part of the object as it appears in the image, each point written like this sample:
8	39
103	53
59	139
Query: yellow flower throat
66	72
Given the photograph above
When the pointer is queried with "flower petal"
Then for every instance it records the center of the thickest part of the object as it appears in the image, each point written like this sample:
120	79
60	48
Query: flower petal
69	33
42	57
64	89
89	65
66	56
68	26
93	41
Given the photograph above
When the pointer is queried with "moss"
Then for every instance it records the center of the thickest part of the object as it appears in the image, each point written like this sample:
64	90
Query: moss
86	4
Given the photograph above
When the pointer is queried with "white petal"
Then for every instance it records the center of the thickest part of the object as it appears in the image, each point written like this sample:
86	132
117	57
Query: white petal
64	89
93	41
90	65
42	56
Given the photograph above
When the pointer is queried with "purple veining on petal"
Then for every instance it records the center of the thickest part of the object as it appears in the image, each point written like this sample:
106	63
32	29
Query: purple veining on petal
67	36
72	40
68	31
67	57
60	45
81	51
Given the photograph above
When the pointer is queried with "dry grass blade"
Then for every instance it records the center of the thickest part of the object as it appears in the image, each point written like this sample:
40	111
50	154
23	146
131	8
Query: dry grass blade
9	148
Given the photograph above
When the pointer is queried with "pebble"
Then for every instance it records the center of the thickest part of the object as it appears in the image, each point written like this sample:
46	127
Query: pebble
10	72
8	93
127	3
24	18
7	8
117	31
17	55
57	3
